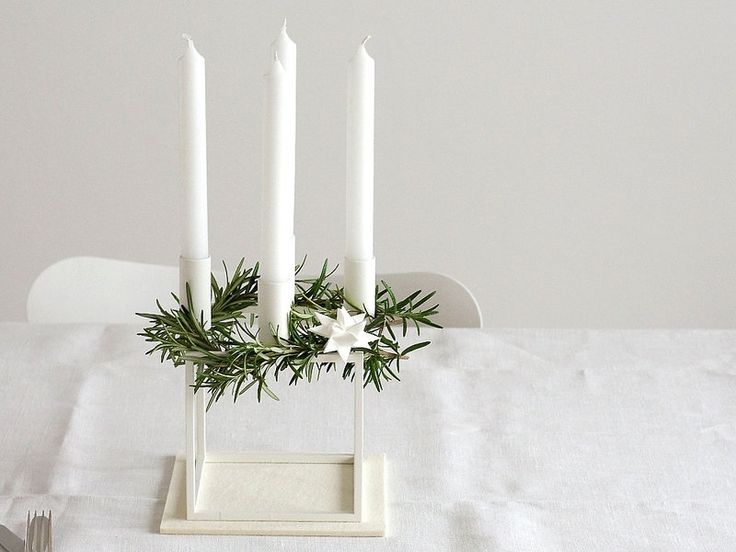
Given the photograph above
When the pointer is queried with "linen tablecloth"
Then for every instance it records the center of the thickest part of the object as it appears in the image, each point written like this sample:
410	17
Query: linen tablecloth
537	440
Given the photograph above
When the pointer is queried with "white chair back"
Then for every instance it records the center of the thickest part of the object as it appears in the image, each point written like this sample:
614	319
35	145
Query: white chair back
93	289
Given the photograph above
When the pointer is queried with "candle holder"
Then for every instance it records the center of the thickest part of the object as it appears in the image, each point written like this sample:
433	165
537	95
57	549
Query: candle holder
214	335
277	493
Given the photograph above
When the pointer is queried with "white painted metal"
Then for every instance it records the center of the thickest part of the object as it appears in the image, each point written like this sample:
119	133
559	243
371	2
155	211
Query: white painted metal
112	291
279	457
196	274
359	424
192	434
205	502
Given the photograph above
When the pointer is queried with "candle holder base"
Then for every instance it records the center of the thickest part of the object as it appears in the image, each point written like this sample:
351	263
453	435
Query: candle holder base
278	494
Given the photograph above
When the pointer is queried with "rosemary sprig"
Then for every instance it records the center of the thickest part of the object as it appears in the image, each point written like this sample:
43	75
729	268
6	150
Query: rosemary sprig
230	355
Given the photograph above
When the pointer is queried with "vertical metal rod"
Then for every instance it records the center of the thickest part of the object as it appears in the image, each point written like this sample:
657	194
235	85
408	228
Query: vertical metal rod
201	452
191	431
358	435
196	274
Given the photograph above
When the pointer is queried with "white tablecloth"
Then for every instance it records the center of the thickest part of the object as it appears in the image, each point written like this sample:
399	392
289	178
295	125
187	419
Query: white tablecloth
495	440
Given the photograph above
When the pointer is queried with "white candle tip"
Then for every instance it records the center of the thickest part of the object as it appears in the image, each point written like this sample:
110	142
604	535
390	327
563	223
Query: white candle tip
283	35
361	48
190	43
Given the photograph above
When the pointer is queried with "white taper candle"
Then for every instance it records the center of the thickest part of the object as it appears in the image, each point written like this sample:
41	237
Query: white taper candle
193	147
194	262
275	211
359	258
276	288
285	49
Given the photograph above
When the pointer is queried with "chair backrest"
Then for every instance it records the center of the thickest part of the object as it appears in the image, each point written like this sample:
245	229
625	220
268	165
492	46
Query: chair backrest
93	289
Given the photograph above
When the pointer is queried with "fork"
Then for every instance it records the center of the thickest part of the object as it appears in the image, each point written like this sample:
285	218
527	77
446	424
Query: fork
38	532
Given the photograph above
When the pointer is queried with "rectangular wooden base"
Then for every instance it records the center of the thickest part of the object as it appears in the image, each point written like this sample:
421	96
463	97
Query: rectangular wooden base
285	489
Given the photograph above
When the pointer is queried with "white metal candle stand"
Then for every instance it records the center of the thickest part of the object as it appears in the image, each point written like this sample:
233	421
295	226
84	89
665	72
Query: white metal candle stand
270	493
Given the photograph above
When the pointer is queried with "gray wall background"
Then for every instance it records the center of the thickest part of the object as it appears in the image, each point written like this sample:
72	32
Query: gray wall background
572	162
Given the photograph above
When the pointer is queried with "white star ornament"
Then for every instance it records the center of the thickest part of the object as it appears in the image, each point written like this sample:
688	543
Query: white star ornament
343	333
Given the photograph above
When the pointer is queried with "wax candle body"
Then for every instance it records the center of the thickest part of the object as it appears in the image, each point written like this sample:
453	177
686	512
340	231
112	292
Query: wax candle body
285	49
359	149
193	147
276	232
276	287
360	263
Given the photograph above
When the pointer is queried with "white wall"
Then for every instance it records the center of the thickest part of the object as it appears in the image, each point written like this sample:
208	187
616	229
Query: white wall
572	162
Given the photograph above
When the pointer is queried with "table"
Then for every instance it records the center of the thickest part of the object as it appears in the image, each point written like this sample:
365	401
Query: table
538	440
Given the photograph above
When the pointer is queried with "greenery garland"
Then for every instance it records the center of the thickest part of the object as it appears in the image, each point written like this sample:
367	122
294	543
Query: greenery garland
229	353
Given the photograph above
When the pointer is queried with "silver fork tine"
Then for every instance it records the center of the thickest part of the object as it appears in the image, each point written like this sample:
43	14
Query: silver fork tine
38	532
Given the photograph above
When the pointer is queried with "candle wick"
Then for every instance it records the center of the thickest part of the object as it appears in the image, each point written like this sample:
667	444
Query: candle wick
366	39
186	37
276	56
283	25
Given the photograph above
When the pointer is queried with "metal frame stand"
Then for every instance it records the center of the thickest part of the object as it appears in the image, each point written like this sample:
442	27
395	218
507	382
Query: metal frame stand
270	493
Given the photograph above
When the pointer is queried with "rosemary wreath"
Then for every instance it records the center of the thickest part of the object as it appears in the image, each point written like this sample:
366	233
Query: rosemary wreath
229	353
